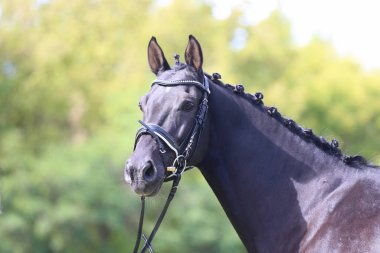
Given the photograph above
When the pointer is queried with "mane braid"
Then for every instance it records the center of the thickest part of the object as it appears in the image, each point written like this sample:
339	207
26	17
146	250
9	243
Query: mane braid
304	133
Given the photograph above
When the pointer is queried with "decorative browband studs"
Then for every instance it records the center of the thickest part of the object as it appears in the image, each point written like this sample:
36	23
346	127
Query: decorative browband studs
216	76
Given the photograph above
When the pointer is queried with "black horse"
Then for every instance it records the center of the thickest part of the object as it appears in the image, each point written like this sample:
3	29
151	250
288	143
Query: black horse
283	188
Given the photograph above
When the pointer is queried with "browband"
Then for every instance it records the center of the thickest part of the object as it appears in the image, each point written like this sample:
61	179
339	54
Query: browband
204	87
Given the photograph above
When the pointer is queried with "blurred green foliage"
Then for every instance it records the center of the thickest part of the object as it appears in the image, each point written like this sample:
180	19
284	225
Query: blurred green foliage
71	73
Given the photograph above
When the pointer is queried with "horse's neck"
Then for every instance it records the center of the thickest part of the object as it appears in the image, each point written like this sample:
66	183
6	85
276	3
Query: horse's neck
257	168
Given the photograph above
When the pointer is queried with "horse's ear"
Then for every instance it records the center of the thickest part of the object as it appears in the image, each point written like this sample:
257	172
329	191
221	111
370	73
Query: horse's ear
193	53
156	57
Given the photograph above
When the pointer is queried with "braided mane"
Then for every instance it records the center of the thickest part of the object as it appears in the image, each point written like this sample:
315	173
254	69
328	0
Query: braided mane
304	133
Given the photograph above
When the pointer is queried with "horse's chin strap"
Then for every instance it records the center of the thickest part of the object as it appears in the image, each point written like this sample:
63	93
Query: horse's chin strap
183	153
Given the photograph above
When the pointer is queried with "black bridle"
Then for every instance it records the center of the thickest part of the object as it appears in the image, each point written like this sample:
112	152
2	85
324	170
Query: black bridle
183	152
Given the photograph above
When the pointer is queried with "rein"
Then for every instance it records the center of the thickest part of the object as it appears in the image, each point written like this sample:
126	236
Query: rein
183	152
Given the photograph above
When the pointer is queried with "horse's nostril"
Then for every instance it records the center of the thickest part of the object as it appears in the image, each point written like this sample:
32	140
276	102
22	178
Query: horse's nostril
132	175
149	172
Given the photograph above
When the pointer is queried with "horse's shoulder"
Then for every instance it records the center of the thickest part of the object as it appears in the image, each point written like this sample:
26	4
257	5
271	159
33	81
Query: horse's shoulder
347	219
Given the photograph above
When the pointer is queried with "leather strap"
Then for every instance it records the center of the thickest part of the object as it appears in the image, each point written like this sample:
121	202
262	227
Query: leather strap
204	87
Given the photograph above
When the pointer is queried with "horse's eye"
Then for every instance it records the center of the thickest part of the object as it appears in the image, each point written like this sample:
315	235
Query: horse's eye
187	106
140	106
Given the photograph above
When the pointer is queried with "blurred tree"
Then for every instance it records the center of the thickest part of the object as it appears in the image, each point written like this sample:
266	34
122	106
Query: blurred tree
267	53
331	94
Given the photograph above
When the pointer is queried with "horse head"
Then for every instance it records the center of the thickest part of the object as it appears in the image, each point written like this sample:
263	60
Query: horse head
171	111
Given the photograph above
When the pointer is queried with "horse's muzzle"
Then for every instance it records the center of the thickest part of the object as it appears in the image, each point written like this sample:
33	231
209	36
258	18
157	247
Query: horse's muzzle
143	177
